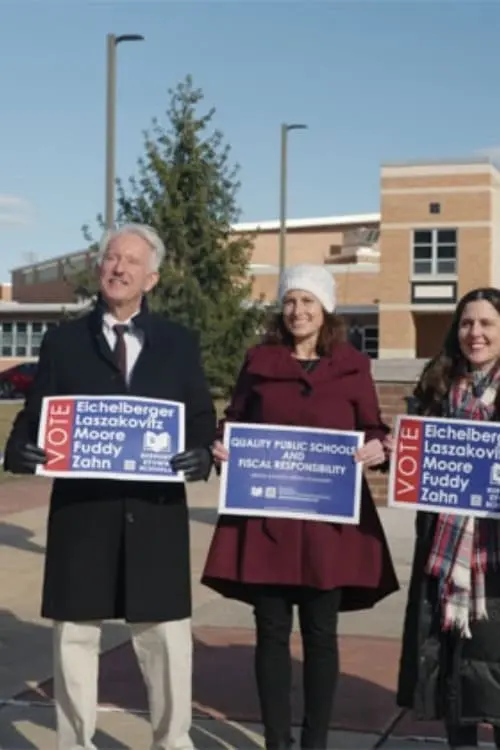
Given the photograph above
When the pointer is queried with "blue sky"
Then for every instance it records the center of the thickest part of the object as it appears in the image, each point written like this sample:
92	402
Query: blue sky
375	82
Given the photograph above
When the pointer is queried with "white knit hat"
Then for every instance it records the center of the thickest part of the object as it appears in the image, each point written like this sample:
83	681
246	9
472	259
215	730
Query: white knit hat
314	279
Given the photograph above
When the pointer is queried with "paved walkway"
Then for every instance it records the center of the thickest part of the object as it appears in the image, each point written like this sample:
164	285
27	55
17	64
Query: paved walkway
225	703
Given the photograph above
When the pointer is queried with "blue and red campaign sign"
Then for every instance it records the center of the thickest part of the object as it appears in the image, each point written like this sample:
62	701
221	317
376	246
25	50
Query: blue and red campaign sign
111	437
291	472
446	466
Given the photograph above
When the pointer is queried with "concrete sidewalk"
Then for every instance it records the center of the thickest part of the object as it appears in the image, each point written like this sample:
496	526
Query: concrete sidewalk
224	694
29	728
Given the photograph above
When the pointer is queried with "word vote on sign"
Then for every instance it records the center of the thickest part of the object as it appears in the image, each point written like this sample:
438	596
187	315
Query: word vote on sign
446	465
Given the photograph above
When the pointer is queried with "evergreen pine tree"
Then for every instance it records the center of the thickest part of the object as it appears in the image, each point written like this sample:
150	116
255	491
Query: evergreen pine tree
186	189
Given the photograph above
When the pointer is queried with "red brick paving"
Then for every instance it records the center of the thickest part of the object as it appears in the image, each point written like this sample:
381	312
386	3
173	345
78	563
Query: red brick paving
366	697
224	681
18	494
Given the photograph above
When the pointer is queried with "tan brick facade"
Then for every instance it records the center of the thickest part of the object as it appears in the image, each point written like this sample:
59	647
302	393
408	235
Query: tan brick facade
394	265
474	259
429	177
415	306
397	332
381	286
353	289
301	245
413	208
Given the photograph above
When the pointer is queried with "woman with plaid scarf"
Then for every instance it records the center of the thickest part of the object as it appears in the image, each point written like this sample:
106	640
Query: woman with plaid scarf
450	662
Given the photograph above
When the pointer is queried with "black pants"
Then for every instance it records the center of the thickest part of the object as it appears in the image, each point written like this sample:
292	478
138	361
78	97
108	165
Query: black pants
318	616
467	736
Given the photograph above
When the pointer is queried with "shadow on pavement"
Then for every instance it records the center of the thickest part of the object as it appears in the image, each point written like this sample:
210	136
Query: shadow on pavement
363	703
13	738
223	683
18	537
25	660
203	515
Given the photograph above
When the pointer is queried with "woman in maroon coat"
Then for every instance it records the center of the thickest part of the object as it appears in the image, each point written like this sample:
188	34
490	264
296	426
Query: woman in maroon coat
305	374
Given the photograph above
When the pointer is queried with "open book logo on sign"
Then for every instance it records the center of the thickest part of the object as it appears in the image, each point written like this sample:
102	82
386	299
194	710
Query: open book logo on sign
495	474
156	442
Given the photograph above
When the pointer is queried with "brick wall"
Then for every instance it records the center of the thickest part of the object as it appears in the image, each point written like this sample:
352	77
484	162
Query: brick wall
395	381
465	197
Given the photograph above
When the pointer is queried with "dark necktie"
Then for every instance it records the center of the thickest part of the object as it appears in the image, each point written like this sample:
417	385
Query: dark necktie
120	350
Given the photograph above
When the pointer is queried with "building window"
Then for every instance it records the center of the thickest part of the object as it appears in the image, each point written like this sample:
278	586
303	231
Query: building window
22	338
28	276
37	334
434	208
48	272
370	343
7	340
76	265
434	252
365	338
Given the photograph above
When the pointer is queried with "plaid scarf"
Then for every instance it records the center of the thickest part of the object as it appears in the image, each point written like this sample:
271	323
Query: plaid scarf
463	547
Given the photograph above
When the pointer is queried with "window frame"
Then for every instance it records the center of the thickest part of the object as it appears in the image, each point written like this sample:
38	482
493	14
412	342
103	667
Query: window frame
435	246
369	333
11	351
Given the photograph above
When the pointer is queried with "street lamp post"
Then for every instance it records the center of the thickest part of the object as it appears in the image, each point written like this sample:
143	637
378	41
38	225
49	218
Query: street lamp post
112	42
285	128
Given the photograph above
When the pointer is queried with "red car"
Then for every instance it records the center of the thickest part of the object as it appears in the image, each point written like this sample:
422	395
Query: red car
16	381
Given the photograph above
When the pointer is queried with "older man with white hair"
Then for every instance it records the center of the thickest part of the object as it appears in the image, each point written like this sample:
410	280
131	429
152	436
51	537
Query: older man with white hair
120	550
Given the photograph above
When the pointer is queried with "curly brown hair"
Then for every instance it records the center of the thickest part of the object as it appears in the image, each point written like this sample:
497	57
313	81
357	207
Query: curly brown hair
438	375
332	332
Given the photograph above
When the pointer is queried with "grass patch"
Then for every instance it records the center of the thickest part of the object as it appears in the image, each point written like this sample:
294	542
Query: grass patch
7	415
220	405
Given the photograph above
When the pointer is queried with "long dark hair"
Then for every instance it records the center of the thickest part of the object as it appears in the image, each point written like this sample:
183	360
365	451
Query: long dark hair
332	332
438	375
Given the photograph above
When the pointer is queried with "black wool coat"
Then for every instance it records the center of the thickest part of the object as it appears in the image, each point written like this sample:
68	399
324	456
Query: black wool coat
118	549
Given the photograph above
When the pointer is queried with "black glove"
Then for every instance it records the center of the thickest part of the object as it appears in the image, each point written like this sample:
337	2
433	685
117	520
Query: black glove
23	458
195	464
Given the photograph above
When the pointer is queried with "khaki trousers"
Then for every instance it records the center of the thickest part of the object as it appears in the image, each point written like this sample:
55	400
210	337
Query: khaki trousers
164	653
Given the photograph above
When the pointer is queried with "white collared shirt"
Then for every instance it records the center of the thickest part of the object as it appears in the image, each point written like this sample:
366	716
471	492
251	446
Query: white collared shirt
134	339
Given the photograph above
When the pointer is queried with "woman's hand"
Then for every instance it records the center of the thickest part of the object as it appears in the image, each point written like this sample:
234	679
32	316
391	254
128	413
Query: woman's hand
371	454
219	452
389	444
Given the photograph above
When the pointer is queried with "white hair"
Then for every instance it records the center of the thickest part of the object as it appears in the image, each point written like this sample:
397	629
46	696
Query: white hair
148	234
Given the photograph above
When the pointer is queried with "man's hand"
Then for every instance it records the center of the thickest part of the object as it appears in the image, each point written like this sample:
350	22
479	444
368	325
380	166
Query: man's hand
23	458
195	464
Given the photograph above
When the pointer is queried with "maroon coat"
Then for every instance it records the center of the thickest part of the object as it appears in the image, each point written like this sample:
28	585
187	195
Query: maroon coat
273	388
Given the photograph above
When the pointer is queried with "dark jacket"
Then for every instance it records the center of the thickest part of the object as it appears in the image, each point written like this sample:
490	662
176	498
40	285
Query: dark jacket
118	549
339	394
441	675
